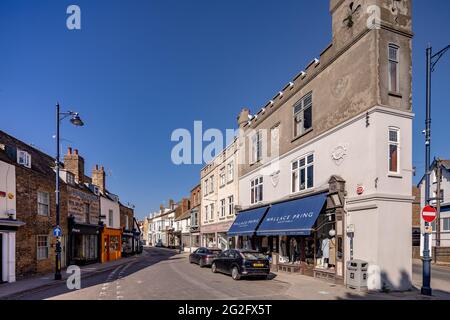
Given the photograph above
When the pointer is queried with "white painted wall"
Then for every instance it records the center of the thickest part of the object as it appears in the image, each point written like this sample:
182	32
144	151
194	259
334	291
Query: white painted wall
383	228
105	206
7	185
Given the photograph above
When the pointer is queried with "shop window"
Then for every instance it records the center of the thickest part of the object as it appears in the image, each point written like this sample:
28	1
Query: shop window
303	115
302	174
43	203
394	146
42	247
257	190
393	68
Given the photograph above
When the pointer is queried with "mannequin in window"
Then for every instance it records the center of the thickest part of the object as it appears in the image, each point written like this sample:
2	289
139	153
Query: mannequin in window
292	249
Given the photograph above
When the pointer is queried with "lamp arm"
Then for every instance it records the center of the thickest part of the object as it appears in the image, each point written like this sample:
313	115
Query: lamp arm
438	56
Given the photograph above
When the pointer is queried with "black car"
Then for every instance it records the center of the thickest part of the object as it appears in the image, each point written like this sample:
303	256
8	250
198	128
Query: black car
204	256
240	263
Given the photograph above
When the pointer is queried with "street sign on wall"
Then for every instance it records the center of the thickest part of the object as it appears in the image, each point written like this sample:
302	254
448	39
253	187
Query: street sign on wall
429	214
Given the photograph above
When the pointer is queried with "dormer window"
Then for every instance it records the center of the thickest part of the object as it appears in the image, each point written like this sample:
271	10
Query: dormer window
70	178
24	158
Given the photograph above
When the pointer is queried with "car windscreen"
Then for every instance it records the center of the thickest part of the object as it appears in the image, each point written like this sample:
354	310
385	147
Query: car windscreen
214	252
253	255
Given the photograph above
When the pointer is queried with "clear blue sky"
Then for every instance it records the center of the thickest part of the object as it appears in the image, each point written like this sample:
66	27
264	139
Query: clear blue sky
140	69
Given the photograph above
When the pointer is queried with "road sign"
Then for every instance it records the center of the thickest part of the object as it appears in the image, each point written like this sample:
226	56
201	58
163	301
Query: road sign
429	214
57	232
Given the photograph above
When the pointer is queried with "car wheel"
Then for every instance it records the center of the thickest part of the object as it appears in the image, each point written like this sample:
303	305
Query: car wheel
235	273
214	268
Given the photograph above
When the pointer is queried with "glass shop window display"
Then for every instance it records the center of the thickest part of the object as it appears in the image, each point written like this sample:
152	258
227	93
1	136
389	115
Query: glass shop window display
326	242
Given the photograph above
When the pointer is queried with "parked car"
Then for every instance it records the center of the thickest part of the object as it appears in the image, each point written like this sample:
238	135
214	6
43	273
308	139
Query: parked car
159	243
240	263
204	256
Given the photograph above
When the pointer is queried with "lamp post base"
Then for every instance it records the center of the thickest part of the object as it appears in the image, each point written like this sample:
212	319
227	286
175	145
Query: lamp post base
425	291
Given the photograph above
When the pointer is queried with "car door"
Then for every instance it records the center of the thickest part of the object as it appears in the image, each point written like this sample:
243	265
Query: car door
194	256
199	255
232	260
221	261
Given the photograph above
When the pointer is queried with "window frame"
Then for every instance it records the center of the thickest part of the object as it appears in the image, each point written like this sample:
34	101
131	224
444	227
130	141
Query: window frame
230	171
395	61
222	176
40	204
223	208
39	247
212	215
111	218
257	190
298	169
231	205
397	144
301	112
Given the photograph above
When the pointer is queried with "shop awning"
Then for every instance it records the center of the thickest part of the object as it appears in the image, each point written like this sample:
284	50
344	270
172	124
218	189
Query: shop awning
246	222
295	217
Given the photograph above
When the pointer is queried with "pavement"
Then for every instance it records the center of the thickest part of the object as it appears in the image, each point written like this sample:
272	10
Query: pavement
164	274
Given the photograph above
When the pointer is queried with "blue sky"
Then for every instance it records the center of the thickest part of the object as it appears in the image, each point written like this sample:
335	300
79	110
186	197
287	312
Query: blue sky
140	69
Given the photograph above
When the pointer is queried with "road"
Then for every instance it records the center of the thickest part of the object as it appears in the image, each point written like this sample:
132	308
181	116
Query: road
162	274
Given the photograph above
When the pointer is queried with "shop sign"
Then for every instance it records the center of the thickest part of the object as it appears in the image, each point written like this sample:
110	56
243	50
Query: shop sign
2	194
351	228
10	196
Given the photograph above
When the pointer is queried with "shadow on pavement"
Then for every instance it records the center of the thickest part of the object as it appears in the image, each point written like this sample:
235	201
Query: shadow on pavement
130	265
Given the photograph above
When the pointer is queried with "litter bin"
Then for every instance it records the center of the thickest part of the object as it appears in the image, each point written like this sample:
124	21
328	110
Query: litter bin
357	274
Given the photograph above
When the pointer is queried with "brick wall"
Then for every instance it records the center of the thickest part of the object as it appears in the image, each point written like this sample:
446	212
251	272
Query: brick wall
416	207
29	183
77	198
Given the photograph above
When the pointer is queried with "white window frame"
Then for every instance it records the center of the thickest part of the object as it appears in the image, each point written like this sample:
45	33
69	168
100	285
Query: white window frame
222	208
41	204
257	190
211	179
395	61
295	188
230	171
110	218
205	188
70	177
206	213
299	115
446	220
256	144
24	158
397	144
212	211
42	251
222	177
231	205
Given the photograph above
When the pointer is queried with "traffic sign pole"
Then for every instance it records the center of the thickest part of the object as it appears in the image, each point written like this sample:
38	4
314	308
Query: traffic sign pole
428	215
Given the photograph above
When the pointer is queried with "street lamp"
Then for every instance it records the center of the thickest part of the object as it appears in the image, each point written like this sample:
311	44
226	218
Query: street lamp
75	120
432	60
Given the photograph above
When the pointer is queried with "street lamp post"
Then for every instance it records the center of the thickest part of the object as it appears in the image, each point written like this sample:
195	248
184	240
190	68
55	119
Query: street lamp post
432	60
75	120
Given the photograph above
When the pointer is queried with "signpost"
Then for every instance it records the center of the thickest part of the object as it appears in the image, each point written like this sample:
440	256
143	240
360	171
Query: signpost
57	232
429	215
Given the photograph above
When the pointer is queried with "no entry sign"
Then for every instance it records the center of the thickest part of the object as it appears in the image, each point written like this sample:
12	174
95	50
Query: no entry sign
429	214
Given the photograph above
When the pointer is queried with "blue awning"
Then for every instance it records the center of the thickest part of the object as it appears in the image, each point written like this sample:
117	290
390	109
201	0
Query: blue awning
246	222
295	217
445	209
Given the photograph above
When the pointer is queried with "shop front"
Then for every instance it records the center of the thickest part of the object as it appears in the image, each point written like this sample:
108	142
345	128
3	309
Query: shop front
111	248
128	243
301	237
8	229
215	235
83	244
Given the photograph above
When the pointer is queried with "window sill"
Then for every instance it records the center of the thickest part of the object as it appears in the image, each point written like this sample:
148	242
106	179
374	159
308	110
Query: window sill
395	175
302	135
395	94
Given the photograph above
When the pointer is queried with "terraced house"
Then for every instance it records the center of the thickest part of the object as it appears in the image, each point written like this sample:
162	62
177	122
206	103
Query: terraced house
328	168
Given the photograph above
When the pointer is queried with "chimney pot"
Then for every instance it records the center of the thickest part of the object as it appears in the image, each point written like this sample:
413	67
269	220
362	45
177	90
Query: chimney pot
96	167
69	151
75	152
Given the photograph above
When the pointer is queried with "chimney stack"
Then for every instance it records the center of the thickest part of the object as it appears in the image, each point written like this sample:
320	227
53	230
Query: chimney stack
243	117
99	178
74	164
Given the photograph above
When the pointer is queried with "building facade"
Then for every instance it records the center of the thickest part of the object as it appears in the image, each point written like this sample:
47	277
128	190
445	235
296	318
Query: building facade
220	184
196	204
439	180
330	155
